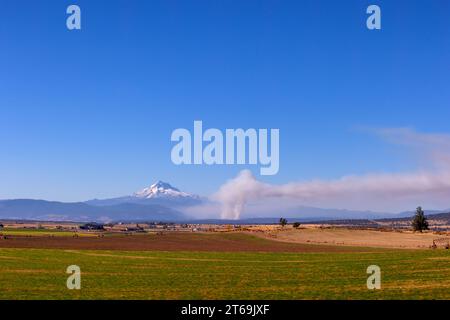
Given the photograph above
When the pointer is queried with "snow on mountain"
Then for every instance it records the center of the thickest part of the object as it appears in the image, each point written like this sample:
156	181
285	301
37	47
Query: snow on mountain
161	193
162	189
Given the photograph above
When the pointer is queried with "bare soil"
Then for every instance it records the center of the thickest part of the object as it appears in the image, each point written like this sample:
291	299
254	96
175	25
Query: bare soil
223	242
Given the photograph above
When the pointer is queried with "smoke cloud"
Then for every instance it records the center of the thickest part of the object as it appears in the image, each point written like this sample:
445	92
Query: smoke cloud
432	184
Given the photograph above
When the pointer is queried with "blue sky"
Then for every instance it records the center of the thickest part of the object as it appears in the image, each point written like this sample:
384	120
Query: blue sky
89	114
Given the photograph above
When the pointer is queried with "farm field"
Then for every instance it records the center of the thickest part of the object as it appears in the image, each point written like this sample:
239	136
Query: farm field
172	241
281	271
43	233
355	237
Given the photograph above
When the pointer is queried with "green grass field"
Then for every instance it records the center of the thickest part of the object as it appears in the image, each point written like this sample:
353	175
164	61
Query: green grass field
40	274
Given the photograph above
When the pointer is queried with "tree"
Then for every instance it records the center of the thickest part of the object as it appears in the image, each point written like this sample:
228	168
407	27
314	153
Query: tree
296	225
283	222
420	222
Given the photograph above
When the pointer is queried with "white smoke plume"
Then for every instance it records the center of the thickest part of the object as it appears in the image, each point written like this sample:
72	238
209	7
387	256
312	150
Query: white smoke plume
433	183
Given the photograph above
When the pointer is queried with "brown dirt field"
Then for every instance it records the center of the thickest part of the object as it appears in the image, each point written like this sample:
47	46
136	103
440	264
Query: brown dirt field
353	237
230	242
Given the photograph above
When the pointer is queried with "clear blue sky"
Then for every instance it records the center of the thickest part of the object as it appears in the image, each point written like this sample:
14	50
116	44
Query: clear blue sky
88	114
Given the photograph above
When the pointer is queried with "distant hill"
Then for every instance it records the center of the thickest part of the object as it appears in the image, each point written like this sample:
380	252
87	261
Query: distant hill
246	221
58	211
160	193
434	216
439	218
159	202
326	220
324	214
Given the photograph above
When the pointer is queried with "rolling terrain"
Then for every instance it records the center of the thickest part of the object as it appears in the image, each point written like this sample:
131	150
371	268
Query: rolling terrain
186	272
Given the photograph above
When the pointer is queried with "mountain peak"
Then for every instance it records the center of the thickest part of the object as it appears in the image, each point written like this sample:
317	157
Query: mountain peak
161	189
163	185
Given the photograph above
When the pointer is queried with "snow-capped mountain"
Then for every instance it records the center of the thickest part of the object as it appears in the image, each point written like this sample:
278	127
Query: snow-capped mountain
159	202
162	189
161	193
